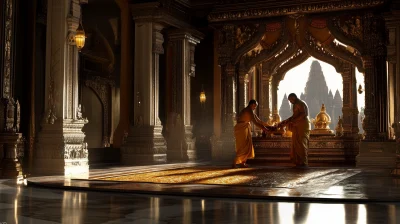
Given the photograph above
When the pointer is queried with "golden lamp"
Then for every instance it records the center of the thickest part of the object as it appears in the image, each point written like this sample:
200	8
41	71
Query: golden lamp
80	37
202	96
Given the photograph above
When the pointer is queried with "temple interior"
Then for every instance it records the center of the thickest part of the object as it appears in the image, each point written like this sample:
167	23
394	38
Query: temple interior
121	111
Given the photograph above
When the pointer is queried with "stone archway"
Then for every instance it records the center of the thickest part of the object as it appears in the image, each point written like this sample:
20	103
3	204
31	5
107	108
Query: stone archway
314	34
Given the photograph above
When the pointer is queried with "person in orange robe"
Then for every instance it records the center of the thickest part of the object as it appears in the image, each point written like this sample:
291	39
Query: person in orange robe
300	126
244	142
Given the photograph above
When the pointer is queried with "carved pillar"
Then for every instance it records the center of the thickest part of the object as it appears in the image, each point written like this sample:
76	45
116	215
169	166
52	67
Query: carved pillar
375	150
223	147
145	143
11	142
393	48
61	148
243	91
229	111
376	118
265	88
349	110
182	45
274	95
125	99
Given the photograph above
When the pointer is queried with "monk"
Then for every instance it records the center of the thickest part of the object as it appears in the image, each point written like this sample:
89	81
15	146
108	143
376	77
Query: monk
244	142
300	126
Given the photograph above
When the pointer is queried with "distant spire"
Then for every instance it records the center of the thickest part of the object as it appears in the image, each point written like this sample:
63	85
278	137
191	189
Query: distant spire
337	100
284	111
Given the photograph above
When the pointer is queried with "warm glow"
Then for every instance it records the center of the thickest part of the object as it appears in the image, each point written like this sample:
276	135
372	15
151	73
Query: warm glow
202	97
80	37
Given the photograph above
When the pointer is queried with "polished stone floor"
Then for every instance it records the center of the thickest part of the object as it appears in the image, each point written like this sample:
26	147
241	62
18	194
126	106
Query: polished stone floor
349	196
22	204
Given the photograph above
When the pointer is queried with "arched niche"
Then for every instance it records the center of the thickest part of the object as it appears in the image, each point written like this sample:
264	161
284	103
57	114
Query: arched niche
97	75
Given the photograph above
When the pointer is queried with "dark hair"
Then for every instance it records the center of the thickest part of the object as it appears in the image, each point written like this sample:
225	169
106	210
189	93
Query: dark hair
292	95
252	102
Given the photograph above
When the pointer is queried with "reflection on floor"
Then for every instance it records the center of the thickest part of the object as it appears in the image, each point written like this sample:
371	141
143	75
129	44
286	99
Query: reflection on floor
19	204
353	196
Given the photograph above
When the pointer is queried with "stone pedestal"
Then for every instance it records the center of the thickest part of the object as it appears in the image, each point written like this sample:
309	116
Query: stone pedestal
61	149
143	145
377	154
12	151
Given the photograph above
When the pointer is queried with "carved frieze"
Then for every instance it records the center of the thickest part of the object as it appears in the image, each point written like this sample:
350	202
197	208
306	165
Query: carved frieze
262	9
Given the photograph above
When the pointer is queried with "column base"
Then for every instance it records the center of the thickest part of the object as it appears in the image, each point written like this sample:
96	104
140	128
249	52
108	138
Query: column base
377	154
61	150
223	149
144	145
181	147
12	149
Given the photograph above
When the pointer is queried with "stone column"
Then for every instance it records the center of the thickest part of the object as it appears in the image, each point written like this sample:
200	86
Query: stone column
223	147
375	149
349	110
145	143
274	94
61	148
226	144
243	91
11	142
265	88
393	48
125	93
181	144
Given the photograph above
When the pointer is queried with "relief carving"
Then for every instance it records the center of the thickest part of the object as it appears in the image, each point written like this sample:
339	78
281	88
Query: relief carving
275	9
244	33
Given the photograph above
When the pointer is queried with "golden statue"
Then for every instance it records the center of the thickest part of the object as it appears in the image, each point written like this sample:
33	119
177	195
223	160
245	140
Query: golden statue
321	123
339	128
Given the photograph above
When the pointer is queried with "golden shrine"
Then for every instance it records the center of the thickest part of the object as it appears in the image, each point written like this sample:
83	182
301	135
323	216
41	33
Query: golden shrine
259	44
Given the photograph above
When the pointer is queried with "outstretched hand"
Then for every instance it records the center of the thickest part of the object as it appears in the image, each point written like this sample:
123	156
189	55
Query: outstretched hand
269	128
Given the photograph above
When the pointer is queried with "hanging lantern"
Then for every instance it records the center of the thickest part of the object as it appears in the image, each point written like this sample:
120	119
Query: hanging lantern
80	37
202	96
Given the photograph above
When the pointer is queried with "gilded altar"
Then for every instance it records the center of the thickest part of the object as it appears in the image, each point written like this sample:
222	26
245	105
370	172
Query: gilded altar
323	150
